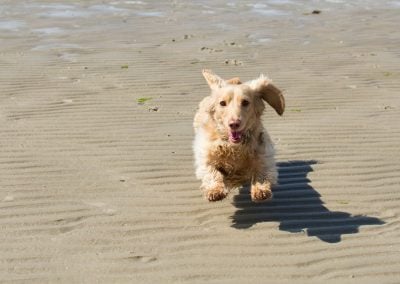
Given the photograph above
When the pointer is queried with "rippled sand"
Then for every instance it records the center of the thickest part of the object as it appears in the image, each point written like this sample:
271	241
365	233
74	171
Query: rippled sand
96	175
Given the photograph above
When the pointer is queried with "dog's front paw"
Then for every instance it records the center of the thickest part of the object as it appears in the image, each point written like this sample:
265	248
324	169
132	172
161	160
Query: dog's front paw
261	192
216	193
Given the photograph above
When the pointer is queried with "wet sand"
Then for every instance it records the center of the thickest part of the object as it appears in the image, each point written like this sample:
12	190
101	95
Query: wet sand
96	169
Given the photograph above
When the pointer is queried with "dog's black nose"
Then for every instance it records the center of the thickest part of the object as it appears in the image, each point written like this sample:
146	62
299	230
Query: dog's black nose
234	124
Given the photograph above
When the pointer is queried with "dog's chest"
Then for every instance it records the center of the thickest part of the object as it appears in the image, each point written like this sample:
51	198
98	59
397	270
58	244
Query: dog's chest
232	160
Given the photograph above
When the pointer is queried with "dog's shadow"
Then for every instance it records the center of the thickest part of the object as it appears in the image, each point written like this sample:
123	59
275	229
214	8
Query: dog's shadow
298	207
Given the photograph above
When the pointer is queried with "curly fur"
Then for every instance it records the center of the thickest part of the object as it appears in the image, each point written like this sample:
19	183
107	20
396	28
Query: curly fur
222	164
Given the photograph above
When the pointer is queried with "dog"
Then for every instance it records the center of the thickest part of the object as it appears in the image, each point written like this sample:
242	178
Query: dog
231	146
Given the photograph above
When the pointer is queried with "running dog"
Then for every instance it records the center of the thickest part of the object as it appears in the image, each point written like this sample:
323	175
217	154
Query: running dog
231	146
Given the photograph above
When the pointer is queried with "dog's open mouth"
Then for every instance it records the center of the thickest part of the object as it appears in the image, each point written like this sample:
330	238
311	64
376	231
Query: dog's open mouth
235	136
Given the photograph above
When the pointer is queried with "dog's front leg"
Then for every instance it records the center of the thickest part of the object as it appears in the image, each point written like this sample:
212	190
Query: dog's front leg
264	176
213	185
260	190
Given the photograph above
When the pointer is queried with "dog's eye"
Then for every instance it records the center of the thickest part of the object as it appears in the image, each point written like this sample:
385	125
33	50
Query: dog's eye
245	103
222	103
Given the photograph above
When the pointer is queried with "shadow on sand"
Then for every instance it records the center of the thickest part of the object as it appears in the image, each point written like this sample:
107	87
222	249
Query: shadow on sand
298	207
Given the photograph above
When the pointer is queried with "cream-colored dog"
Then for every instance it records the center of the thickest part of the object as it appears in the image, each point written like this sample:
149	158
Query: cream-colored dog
231	146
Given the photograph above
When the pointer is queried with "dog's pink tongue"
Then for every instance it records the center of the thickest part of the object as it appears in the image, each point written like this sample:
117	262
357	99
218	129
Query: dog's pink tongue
235	136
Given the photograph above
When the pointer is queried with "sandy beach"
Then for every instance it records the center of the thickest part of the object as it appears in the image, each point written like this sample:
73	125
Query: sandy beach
97	182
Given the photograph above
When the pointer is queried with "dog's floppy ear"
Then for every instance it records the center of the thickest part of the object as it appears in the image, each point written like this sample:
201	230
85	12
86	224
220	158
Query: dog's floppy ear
213	80
269	93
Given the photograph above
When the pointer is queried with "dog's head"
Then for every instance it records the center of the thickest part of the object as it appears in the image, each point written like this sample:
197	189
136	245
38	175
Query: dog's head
237	107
